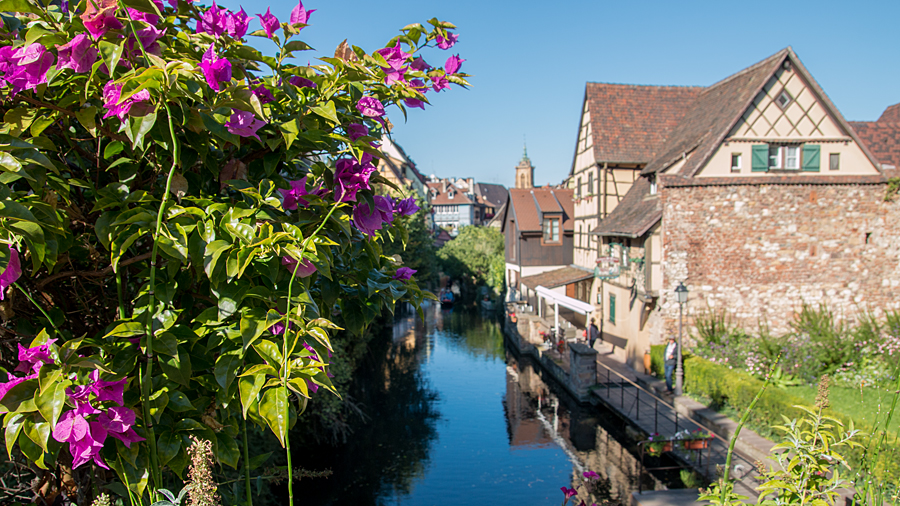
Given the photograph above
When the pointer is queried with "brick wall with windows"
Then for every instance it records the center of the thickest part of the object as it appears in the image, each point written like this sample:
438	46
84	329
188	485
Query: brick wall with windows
761	250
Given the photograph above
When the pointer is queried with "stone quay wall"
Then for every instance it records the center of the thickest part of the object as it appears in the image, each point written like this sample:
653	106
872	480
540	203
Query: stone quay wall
761	251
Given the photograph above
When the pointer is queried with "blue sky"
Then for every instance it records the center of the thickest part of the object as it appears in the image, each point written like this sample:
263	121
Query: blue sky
529	62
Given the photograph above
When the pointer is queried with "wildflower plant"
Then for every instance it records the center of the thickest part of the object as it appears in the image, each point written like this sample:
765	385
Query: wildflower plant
187	222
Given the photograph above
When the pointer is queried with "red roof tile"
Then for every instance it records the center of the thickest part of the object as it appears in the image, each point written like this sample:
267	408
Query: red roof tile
556	277
629	123
524	206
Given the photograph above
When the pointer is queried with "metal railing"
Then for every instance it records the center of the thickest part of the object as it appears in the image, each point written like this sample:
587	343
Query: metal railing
663	412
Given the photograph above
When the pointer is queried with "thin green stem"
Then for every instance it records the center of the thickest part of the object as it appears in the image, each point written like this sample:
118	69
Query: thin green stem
121	294
740	425
246	462
151	296
37	306
285	357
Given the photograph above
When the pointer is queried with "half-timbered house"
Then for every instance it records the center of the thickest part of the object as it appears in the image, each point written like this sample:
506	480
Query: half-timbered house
762	198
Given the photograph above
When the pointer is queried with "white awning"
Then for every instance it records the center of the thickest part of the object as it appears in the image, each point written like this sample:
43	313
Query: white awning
564	301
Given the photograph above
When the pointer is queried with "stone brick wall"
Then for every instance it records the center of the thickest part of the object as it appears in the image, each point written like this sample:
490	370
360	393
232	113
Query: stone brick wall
760	251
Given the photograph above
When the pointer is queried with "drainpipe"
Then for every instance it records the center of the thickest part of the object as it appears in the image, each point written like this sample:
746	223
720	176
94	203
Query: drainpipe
556	310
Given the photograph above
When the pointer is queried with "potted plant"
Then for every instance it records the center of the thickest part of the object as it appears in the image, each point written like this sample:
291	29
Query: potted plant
647	363
656	445
697	439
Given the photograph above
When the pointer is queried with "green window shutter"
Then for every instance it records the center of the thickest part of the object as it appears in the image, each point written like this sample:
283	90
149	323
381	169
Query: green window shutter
759	160
612	308
811	158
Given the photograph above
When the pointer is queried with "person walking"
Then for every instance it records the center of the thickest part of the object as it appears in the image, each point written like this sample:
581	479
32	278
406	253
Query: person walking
671	355
593	332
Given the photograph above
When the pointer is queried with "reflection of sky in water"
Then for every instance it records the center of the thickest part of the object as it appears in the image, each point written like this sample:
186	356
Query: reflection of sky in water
471	462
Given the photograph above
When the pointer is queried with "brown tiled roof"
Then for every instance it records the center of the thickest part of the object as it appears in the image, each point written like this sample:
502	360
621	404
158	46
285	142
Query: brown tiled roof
712	115
882	137
629	123
459	198
494	194
719	107
556	277
891	114
524	206
634	215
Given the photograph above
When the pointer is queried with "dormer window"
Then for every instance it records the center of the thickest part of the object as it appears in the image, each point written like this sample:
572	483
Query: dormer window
653	188
551	231
450	194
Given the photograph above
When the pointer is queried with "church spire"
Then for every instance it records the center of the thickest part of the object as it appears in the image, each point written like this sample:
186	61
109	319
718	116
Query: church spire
525	171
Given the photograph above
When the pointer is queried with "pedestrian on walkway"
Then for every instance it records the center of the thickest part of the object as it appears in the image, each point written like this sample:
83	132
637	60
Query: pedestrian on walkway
670	357
594	332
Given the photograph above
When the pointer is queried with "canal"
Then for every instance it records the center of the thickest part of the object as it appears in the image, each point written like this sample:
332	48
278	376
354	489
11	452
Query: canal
448	416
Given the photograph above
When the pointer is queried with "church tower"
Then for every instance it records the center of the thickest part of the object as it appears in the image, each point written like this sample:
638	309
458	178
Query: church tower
525	172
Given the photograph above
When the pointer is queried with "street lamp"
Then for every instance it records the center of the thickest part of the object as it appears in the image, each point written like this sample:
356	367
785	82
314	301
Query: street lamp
681	294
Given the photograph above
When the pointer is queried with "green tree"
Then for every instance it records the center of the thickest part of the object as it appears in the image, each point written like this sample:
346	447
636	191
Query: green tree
476	255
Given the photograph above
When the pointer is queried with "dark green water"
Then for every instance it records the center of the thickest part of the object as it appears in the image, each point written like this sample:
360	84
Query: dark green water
452	418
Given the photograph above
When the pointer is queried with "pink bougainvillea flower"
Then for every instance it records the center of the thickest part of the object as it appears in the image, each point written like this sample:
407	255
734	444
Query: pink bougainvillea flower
446	43
591	475
118	423
419	85
108	390
392	76
244	123
77	54
148	17
300	16
419	64
351	176
385	207
236	24
269	22
12	272
216	70
174	3
305	269
88	448
404	273
394	56
414	102
406	207
111	94
301	82
312	386
356	130
100	16
366	220
263	94
70	427
213	21
148	35
453	64
31	359
294	196
439	83
370	107
28	67
569	492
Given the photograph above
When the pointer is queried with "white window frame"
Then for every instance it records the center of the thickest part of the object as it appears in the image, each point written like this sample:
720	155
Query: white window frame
776	156
739	157
792	153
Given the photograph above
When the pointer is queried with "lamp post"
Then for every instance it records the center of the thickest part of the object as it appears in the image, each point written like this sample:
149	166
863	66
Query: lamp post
681	294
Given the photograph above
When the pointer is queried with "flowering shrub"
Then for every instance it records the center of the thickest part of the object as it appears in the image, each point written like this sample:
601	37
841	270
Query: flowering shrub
188	222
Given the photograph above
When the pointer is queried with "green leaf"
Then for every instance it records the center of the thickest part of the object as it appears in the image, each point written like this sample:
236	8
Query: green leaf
137	128
178	402
290	130
50	403
13	424
87	118
19	6
166	344
274	408
111	54
253	325
249	387
112	149
269	352
20	398
296	45
168	445
226	369
259	460
41	124
228	453
127	329
177	368
327	111
211	256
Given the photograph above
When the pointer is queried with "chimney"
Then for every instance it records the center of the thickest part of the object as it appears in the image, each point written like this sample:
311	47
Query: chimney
471	181
443	186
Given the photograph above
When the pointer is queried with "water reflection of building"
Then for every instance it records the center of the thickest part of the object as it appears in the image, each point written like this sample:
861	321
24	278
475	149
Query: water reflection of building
410	343
537	415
